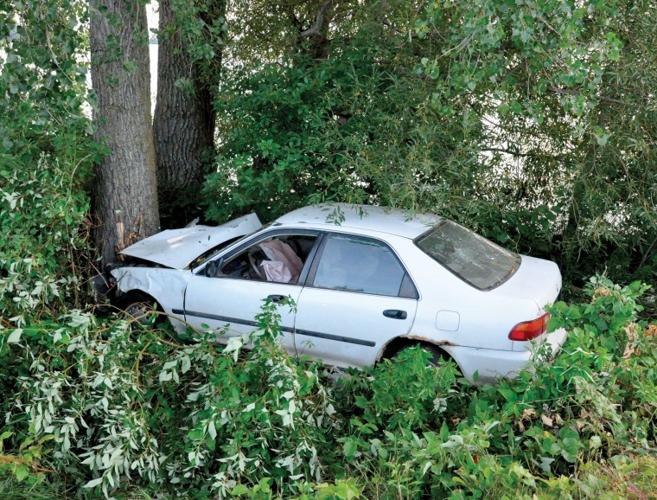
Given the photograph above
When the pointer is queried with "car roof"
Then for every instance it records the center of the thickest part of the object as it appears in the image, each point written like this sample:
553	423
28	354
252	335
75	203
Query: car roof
361	217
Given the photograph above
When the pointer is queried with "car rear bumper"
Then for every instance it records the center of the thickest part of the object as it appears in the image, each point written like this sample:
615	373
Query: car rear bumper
491	364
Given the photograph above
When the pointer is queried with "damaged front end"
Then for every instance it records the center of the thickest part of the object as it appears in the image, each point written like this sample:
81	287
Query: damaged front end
154	265
105	286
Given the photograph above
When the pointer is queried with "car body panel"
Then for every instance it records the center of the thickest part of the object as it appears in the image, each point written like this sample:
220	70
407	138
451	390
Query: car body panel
176	248
479	315
485	316
167	286
487	365
537	280
357	218
348	329
234	303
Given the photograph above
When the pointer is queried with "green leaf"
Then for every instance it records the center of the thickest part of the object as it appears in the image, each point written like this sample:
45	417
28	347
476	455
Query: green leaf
21	471
15	336
93	483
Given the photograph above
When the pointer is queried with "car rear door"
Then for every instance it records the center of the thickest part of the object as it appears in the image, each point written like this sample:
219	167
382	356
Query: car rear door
358	296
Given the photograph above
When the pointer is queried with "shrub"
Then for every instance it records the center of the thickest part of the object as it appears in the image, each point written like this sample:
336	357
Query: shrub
114	404
120	408
46	158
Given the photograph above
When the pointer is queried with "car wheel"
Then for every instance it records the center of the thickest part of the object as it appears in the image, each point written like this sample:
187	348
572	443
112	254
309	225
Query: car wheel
140	312
436	355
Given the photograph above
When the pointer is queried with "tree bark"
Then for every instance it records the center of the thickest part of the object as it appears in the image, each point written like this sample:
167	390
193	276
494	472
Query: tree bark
184	122
126	185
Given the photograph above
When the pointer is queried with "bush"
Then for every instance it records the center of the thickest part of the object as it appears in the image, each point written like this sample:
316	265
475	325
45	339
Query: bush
108	405
46	158
104	398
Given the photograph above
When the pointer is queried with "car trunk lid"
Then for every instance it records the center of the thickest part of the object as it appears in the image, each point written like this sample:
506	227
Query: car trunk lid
535	279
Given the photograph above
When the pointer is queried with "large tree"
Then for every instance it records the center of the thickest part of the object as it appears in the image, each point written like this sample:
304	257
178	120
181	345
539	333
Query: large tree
189	67
126	188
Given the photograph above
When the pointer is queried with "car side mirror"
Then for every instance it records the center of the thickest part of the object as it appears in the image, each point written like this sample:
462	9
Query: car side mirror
213	268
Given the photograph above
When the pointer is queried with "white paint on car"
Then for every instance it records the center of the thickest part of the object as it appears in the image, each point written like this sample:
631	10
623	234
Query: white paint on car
448	321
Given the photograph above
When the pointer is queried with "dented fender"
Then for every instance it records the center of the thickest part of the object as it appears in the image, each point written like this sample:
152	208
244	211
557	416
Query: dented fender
166	286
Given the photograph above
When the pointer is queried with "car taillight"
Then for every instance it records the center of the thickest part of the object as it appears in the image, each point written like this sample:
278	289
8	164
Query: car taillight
528	330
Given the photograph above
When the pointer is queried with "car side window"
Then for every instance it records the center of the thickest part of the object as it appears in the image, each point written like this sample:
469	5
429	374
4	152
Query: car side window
364	265
279	259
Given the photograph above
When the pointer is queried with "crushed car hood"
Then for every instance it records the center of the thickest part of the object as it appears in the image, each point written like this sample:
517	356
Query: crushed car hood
176	248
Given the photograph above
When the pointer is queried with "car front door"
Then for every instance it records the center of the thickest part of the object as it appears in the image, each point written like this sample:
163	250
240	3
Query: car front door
358	296
232	296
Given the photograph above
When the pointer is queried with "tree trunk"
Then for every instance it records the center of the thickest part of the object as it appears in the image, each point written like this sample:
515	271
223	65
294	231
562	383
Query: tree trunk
126	186
184	122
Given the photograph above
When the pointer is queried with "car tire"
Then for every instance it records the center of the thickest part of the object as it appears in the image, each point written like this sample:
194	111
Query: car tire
140	311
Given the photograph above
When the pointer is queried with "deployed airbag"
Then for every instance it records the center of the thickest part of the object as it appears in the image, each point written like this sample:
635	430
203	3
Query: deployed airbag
283	266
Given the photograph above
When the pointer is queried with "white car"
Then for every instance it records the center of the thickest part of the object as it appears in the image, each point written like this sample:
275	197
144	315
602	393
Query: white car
368	281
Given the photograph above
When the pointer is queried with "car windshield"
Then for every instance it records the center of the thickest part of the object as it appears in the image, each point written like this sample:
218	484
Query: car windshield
209	254
473	258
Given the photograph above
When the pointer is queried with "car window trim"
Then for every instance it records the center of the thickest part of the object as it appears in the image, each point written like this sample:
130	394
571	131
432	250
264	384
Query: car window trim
231	252
312	260
320	251
310	277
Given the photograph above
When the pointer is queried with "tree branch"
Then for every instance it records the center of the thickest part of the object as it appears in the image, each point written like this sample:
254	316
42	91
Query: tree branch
507	151
318	26
560	91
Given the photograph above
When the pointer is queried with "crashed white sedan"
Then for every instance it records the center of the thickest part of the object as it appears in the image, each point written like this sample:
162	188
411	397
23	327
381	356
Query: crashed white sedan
368	282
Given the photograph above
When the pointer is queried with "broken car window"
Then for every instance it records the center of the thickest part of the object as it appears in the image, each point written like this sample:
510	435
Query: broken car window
471	257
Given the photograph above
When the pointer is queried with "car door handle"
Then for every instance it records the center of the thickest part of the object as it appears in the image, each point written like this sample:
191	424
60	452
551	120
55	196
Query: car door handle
395	314
276	298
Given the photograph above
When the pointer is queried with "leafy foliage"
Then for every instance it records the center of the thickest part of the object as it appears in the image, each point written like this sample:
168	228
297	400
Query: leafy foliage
45	156
117	407
528	121
103	396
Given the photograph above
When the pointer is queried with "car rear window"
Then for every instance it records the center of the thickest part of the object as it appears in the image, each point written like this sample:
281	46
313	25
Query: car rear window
473	258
